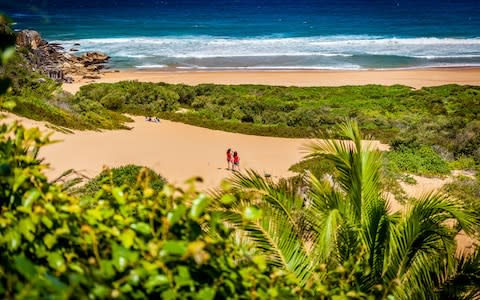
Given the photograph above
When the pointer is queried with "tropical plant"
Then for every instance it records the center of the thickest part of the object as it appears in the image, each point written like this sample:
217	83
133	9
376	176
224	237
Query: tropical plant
464	282
329	220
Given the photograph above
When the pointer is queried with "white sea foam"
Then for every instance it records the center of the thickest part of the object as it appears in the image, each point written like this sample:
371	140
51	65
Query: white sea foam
266	67
181	50
151	66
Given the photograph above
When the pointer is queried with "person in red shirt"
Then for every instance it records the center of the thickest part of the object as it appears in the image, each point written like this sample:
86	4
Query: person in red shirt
229	159
236	161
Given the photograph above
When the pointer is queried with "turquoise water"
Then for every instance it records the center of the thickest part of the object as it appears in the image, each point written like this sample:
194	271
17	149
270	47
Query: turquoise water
262	34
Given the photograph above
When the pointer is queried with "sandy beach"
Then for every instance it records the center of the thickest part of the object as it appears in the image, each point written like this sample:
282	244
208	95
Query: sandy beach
177	151
416	78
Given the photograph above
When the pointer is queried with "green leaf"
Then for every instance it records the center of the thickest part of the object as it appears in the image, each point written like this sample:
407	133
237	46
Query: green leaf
76	267
107	269
127	238
13	239
120	257
30	197
19	180
141	227
198	206
25	267
176	215
206	293
134	277
228	199
126	288
183	277
7	54
252	213
100	291
27	228
168	295
260	261
47	222
156	281
55	283
183	272
49	240
56	261
174	248
118	194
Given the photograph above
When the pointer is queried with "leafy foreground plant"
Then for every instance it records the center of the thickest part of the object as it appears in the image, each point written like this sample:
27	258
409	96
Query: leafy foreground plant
122	242
408	254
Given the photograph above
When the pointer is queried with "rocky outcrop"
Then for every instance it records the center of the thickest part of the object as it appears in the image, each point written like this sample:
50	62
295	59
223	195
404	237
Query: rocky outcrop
29	39
52	60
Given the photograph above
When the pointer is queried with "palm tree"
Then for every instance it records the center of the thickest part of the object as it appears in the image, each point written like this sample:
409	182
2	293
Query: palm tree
464	282
409	252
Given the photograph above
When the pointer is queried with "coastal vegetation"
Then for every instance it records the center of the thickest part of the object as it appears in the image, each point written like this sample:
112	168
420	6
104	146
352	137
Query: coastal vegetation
429	125
252	239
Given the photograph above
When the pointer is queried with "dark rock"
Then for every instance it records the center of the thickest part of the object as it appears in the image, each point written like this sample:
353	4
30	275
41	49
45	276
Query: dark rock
76	44
91	58
51	59
91	77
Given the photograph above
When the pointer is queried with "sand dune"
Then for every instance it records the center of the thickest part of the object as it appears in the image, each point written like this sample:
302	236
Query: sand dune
175	150
416	78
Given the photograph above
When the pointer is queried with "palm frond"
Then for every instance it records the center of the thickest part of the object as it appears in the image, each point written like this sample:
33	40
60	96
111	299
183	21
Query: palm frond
279	232
464	282
423	242
358	166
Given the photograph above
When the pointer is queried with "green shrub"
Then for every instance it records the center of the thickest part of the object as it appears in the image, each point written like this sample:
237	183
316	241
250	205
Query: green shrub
420	161
315	166
467	190
128	174
113	100
463	163
409	179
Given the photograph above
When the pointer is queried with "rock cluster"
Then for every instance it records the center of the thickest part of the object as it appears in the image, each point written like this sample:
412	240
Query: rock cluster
52	59
30	39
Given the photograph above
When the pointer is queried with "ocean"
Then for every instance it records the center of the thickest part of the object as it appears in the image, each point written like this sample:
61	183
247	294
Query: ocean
302	34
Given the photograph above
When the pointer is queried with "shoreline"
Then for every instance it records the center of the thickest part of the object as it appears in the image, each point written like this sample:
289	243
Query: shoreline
283	69
415	78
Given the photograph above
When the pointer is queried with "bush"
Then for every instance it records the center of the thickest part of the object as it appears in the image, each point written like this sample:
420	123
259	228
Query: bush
420	161
128	174
113	101
315	166
467	190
